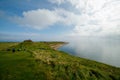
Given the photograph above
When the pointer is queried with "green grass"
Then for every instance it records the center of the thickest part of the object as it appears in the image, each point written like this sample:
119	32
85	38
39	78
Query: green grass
40	61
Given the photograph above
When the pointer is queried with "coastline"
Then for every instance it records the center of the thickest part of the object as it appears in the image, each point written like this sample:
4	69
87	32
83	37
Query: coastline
55	47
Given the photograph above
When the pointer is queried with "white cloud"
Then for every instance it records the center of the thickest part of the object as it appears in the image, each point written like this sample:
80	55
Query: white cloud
97	17
70	18
102	18
39	19
43	18
57	1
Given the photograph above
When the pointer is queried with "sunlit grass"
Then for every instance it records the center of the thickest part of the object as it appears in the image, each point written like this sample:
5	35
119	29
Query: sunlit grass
40	61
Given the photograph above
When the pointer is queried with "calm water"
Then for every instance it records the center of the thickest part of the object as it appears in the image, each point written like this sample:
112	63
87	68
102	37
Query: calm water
102	50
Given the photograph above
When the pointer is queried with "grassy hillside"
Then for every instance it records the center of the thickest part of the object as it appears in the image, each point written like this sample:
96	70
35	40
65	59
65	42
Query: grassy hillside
41	61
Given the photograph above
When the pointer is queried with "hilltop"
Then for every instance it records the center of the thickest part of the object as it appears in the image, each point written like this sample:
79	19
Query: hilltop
41	61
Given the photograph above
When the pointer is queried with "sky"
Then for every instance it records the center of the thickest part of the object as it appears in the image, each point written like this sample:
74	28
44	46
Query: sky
58	19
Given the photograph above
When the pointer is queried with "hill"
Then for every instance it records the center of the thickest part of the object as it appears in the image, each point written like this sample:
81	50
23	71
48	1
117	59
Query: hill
41	61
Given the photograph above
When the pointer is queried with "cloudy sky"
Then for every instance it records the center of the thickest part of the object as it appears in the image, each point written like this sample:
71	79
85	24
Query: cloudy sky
58	19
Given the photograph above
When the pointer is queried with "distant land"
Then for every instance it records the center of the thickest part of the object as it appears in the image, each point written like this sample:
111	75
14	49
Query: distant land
30	60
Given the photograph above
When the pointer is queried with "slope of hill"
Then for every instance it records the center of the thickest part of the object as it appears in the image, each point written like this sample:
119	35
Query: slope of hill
41	61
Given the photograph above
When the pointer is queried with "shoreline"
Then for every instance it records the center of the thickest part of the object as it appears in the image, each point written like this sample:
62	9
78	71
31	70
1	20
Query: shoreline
55	47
